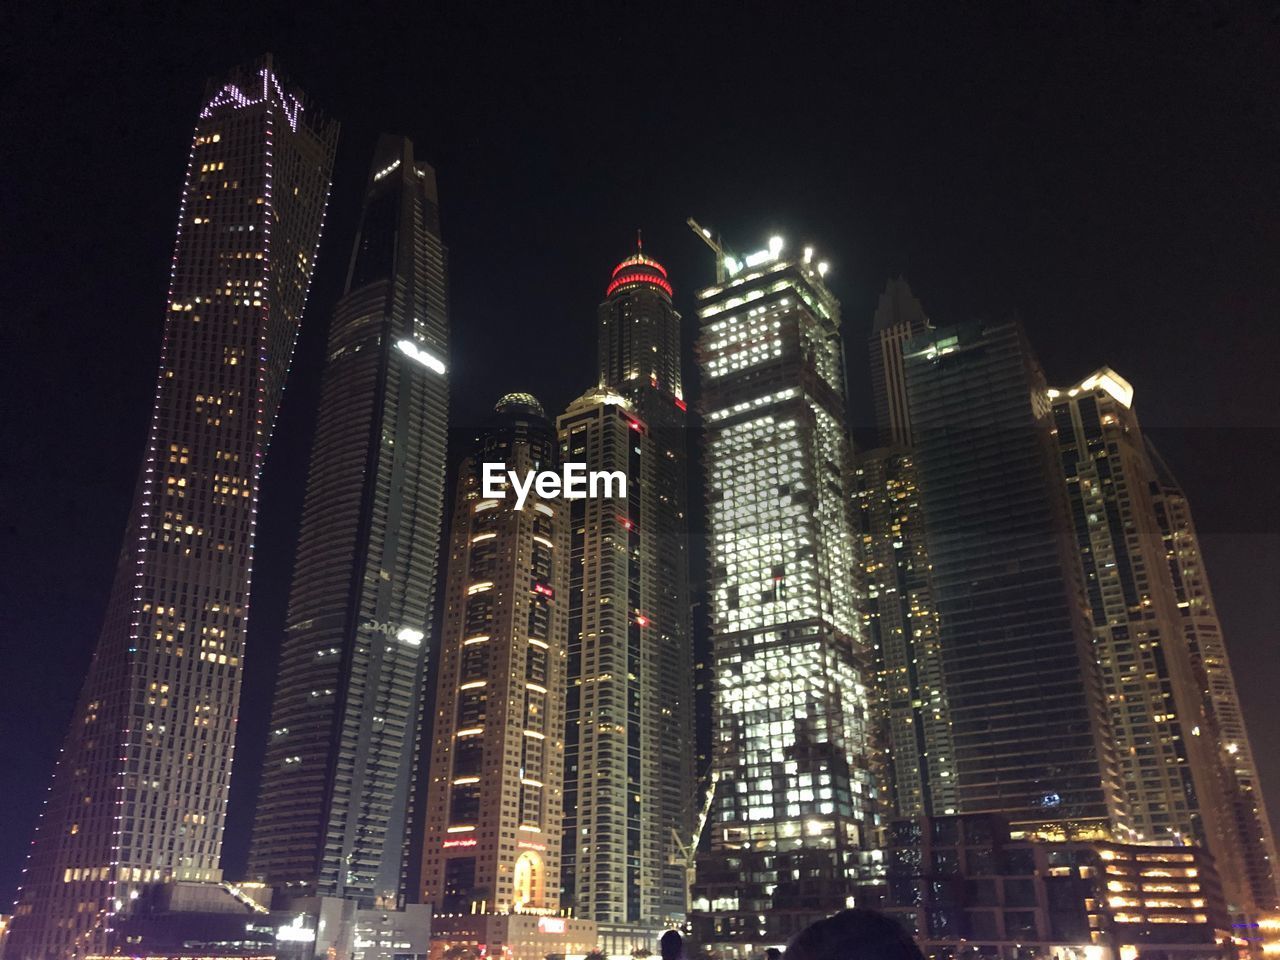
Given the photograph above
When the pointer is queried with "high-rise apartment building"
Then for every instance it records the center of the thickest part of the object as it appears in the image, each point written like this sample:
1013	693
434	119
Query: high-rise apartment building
1171	762
793	789
336	786
491	855
140	791
1029	722
1202	633
912	722
630	789
909	696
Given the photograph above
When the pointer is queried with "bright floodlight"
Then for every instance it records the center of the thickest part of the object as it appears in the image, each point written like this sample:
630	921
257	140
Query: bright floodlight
410	636
415	350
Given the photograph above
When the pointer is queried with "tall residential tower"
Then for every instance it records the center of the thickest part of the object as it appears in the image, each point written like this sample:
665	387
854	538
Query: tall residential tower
916	755
491	854
1172	763
630	790
793	790
140	792
910	712
1203	635
336	787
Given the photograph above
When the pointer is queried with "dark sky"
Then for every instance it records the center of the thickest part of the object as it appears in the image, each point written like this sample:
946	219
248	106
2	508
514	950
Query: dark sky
1111	174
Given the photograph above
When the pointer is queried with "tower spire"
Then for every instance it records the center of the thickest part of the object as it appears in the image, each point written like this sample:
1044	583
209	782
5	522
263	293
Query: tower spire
639	240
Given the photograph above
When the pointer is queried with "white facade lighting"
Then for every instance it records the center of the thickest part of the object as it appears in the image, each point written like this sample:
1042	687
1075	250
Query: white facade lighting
295	932
1111	382
416	351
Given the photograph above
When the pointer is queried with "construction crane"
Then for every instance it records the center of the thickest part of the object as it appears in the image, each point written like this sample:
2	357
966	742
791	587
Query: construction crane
685	853
712	241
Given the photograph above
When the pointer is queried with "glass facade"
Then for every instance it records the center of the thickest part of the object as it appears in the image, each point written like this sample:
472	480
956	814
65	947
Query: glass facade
899	317
340	763
1028	719
140	791
915	753
793	790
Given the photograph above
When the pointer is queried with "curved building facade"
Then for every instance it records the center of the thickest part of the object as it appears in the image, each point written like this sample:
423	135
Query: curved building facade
340	759
140	792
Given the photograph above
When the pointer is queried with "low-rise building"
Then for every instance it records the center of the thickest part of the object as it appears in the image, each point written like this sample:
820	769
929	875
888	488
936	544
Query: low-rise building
251	921
964	887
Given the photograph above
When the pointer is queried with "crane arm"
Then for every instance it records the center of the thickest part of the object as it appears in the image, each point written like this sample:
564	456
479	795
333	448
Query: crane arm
712	241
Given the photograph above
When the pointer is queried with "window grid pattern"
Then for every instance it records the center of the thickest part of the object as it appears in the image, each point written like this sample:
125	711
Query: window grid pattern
340	757
495	793
901	621
1204	637
140	792
794	800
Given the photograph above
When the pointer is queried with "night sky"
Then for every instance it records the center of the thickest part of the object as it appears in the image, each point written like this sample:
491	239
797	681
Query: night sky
1110	174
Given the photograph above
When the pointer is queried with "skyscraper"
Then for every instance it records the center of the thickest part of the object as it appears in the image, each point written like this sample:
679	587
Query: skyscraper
793	791
898	317
916	754
491	855
140	791
630	790
332	810
1171	761
1203	636
1028	717
910	710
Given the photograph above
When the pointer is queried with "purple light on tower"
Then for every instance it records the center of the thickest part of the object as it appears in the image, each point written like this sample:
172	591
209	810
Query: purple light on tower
140	791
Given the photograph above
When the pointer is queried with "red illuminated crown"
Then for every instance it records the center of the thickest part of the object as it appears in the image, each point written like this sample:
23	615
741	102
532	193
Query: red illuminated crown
638	270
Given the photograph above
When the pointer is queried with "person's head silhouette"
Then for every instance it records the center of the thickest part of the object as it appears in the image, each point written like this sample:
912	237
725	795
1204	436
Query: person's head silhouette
854	935
671	946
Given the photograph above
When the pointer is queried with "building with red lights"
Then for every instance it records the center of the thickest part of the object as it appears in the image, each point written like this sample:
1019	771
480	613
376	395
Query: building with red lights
630	787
